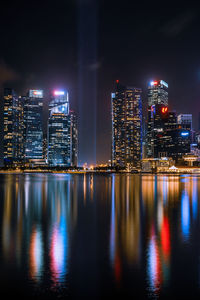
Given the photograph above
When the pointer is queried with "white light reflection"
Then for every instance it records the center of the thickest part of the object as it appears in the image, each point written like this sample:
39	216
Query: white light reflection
36	255
112	225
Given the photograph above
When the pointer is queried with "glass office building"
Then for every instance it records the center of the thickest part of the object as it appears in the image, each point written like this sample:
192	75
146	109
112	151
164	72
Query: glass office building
126	107
74	138
168	138
33	113
157	96
158	92
185	119
13	128
59	130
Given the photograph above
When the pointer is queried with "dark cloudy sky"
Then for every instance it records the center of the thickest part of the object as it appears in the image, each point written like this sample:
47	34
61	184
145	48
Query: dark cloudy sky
85	45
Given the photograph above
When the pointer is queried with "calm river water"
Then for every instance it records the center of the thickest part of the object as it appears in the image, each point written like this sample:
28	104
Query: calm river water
98	236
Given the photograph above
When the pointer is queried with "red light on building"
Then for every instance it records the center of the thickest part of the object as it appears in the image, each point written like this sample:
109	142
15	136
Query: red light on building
154	82
164	110
117	81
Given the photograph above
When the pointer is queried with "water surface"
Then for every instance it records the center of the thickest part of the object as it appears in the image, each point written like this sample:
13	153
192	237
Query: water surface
97	236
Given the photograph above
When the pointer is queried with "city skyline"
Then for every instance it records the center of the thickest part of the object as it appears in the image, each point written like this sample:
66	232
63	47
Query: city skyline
145	99
131	119
160	43
24	141
99	150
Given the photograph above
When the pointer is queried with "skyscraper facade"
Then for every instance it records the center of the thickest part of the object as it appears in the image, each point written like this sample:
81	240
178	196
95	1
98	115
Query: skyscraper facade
157	100
74	138
158	93
33	114
13	128
126	105
156	130
59	130
186	122
168	138
185	119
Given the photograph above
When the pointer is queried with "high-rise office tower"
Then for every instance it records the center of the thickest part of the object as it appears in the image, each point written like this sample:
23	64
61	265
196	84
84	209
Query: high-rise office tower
157	96
59	130
185	119
74	138
178	142
126	107
13	128
156	128
186	122
168	138
33	114
158	93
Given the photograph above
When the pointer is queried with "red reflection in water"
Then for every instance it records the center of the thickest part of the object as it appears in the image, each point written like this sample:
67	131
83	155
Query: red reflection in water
165	237
117	268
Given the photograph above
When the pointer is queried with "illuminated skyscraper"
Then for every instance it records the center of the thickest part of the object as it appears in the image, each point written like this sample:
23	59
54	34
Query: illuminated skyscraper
126	107
33	112
168	138
186	122
59	130
157	97
74	138
158	93
185	119
13	128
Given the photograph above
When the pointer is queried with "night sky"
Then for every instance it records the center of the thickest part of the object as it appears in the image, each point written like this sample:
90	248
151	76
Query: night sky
85	45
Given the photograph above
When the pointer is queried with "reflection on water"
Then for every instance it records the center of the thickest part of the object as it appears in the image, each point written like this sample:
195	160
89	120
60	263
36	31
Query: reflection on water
98	235
36	213
185	215
36	254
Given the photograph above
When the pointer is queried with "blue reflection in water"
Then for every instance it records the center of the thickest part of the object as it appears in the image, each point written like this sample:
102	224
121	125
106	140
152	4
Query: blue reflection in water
58	251
194	198
184	178
59	233
112	225
165	189
185	215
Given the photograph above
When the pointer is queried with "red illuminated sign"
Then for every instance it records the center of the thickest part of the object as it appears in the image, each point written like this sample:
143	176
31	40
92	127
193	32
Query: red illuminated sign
164	110
154	82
